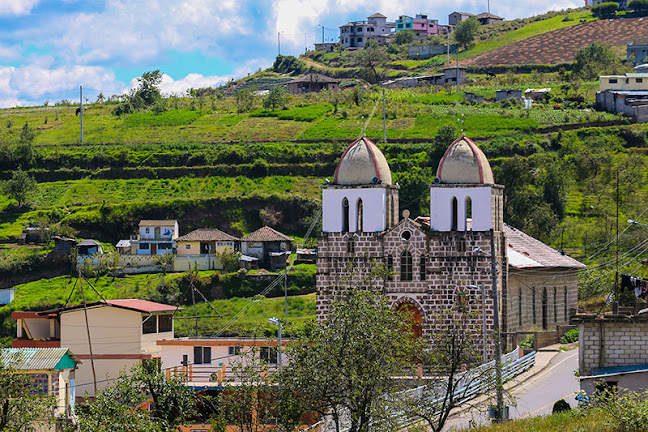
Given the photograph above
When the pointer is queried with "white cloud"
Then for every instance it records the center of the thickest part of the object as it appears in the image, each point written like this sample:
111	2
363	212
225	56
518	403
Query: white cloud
170	86
17	7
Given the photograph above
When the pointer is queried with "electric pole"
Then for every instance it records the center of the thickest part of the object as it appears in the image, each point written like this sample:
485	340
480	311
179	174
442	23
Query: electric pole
384	120
498	347
278	43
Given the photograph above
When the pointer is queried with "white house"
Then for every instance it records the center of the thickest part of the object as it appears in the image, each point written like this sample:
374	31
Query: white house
156	237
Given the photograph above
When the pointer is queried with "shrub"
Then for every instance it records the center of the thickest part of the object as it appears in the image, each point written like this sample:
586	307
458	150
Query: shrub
639	6
570	336
560	405
527	343
605	10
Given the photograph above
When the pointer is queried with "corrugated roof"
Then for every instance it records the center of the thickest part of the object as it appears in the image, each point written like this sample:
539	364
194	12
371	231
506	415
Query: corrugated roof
266	234
315	78
34	358
132	304
89	243
542	254
123	243
158	222
204	234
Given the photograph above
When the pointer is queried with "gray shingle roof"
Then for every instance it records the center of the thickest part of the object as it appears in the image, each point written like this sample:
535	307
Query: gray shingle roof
207	235
533	253
266	234
33	358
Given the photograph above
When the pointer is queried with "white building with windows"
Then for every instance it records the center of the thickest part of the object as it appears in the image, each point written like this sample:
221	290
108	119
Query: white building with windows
356	34
155	237
442	261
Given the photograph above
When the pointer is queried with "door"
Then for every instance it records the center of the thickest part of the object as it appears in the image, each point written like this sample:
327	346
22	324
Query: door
153	248
544	308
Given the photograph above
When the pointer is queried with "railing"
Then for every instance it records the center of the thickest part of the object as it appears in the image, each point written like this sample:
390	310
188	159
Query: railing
471	384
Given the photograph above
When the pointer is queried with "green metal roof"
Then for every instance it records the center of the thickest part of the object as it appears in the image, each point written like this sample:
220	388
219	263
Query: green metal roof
38	358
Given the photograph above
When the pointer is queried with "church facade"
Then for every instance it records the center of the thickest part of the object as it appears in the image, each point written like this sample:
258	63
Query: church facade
442	262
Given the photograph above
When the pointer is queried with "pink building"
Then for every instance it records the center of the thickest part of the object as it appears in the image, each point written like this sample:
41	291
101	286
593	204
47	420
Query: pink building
422	26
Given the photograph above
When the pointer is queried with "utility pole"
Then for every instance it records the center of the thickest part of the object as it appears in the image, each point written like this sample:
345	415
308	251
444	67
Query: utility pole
193	300
488	6
498	347
448	33
286	293
384	120
278	43
85	311
81	110
322	34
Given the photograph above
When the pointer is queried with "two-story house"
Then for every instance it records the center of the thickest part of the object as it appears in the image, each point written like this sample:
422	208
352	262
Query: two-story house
356	34
200	249
269	246
156	237
422	26
122	334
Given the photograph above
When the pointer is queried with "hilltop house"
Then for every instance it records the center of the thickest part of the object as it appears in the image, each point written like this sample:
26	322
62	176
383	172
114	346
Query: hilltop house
269	246
625	94
484	18
313	83
51	369
199	249
443	261
456	17
421	26
122	332
355	34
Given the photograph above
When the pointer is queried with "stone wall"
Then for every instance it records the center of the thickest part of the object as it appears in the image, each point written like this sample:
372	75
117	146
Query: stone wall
608	343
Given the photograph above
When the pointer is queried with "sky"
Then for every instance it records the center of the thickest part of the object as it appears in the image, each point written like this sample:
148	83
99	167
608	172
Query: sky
48	48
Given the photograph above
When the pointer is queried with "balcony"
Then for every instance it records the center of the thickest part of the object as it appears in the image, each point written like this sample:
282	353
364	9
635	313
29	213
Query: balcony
36	343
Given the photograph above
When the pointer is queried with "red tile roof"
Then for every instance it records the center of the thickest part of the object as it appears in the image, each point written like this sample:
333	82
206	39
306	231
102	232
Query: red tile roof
266	234
207	235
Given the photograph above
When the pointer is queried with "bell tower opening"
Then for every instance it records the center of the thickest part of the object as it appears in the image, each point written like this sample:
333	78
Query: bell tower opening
360	215
454	216
345	215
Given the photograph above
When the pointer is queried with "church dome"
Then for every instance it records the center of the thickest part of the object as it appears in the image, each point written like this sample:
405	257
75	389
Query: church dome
465	163
362	163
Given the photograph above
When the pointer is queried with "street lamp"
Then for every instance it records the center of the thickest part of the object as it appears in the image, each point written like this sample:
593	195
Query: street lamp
277	322
634	222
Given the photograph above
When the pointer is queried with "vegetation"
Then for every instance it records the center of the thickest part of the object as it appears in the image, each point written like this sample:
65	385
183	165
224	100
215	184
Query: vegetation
19	187
639	6
466	31
605	10
592	61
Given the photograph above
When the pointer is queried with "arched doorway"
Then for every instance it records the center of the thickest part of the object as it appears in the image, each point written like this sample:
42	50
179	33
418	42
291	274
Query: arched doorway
413	314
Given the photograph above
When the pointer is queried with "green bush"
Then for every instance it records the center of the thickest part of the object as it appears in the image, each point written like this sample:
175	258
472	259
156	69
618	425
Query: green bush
639	6
570	336
527	343
605	10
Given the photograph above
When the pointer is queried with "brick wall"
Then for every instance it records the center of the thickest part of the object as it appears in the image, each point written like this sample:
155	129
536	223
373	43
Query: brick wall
608	344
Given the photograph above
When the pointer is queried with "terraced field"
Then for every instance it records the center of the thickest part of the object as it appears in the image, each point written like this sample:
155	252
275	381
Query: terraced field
559	46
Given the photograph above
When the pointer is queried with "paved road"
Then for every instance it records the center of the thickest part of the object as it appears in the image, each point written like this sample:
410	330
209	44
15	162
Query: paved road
537	395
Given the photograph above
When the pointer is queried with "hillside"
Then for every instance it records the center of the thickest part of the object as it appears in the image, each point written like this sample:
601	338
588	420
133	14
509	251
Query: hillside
559	46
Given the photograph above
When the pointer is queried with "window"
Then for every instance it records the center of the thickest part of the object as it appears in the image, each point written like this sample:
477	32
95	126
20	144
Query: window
390	267
565	305
468	212
406	235
520	307
234	350
202	355
345	215
555	305
269	355
350	245
188	246
533	304
453	220
422	269
612	81
165	323
149	324
359	39
360	215
144	246
406	266
147	230
461	247
639	80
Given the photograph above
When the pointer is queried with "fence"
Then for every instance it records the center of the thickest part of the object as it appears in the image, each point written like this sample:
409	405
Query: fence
470	384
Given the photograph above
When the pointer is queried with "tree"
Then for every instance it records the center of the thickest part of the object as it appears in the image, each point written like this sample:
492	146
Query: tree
20	408
173	403
343	366
605	10
445	136
245	99
20	186
639	6
594	59
145	95
276	98
404	37
453	349
466	30
23	152
370	57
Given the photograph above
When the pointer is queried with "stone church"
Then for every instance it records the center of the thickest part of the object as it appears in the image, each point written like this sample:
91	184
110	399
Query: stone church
442	261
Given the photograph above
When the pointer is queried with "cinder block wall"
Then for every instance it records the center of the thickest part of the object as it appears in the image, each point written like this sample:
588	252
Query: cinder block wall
609	344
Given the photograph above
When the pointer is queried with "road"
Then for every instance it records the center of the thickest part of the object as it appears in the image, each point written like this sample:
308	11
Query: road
536	396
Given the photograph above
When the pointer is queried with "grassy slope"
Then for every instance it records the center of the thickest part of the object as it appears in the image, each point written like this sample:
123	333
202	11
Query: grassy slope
560	422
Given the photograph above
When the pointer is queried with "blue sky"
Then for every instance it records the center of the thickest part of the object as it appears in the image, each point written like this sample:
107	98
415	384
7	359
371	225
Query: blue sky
50	47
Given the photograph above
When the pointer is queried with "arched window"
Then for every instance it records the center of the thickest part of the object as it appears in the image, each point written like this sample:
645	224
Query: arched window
390	267
360	215
350	245
453	220
469	214
345	215
406	266
422	273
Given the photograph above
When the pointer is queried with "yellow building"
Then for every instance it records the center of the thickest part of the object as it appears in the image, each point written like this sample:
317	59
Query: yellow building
629	81
200	248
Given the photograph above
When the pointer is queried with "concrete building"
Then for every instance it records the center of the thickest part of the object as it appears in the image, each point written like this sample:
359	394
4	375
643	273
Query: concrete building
269	246
122	332
200	249
625	94
637	51
502	94
313	83
422	26
155	237
327	46
613	351
486	18
355	34
441	261
208	362
456	17
422	52
52	371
